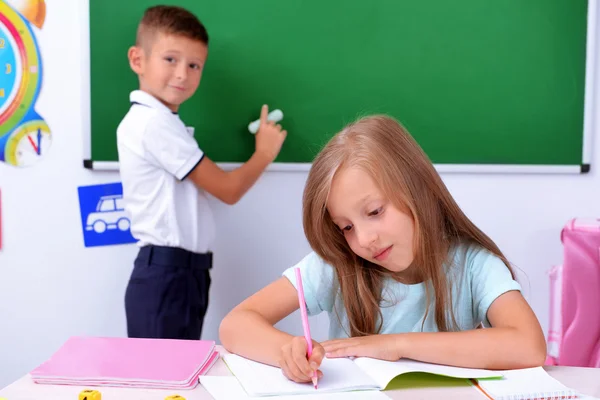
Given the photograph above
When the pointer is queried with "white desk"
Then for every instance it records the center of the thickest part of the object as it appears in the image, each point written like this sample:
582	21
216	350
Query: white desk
584	380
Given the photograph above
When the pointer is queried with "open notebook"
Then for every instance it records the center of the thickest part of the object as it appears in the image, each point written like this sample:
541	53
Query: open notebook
339	375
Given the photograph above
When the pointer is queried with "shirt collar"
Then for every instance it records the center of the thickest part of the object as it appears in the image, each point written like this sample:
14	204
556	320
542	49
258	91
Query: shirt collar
146	99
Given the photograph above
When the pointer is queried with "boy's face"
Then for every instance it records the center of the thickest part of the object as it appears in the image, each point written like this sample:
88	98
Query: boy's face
169	67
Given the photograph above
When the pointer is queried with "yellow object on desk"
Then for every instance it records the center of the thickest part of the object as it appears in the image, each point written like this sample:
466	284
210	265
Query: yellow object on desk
175	397
89	394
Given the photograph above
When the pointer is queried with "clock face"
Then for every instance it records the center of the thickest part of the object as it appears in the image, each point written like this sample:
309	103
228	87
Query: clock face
19	68
24	136
28	144
10	68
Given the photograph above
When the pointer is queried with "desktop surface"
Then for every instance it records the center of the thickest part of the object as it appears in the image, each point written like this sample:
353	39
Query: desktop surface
584	380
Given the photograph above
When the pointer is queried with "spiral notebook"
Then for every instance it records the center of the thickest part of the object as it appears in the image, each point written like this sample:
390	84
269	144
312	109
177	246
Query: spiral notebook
524	384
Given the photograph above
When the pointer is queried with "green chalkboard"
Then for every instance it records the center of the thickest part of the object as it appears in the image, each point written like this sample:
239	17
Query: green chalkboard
476	82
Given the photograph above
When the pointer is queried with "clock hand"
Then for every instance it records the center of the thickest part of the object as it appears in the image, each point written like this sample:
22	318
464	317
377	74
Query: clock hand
39	141
32	144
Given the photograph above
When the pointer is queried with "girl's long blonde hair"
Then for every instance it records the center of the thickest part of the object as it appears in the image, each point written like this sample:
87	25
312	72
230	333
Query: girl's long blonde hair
383	148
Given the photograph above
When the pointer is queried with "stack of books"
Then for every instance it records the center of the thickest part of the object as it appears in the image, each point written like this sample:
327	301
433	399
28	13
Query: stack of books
128	362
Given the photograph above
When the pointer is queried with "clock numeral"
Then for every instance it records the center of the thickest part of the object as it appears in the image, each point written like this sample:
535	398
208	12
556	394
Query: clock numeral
1	43
2	92
8	68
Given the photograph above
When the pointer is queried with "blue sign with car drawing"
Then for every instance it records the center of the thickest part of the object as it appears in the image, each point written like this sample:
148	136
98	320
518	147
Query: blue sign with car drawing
103	217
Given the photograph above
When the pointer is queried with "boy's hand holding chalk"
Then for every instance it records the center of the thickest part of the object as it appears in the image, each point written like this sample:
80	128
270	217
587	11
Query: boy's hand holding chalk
269	135
273	116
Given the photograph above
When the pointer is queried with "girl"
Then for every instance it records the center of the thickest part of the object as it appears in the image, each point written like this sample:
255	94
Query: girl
399	268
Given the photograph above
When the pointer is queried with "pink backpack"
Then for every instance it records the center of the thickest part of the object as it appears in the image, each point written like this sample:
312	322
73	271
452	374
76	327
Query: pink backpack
574	334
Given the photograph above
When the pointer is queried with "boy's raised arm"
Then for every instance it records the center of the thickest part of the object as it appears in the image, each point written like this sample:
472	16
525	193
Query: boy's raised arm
230	186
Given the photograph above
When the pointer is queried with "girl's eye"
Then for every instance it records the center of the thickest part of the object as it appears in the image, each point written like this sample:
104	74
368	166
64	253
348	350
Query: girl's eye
169	59
194	66
376	212
344	229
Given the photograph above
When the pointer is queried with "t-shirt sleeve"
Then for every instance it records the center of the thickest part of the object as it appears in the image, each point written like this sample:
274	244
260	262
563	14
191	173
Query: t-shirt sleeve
171	147
490	278
318	281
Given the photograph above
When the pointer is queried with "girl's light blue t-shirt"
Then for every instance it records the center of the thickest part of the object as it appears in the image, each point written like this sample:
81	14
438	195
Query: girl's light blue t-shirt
478	278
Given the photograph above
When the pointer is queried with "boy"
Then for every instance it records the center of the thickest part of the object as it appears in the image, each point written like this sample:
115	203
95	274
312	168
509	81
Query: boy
165	174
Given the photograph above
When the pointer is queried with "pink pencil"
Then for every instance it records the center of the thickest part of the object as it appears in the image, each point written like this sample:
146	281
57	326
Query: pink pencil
305	320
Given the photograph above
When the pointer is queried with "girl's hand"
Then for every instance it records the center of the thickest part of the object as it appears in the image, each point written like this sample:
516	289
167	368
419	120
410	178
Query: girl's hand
294	363
382	347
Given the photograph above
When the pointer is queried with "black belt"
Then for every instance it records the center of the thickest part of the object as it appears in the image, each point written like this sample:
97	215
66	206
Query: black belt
176	256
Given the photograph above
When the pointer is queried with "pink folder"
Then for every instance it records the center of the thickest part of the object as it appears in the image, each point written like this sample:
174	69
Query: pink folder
130	362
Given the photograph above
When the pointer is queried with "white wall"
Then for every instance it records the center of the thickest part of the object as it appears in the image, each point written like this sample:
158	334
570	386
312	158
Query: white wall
52	287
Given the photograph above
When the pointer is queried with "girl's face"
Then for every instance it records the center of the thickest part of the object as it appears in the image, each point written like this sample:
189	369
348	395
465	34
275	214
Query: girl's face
373	227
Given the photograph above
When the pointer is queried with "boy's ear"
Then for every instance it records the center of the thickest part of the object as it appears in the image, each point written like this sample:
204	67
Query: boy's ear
135	59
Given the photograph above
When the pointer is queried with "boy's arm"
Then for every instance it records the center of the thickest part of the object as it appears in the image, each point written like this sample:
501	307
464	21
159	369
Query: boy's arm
230	186
248	329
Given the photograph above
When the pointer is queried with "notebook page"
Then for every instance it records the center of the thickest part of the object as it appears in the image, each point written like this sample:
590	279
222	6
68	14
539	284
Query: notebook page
383	372
228	387
528	383
264	380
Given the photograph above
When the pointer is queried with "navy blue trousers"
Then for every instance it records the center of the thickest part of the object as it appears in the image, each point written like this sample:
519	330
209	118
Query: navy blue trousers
167	293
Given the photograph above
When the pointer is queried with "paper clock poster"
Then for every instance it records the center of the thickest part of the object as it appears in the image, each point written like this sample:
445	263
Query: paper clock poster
0	220
24	135
104	220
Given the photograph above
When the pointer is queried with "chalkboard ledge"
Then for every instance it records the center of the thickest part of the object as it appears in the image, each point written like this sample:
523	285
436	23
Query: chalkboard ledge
441	168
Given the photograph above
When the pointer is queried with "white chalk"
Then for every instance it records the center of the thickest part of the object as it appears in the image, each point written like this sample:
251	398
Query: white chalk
275	116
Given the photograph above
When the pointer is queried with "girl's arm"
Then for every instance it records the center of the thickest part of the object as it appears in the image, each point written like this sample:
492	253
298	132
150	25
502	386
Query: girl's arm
248	329
515	341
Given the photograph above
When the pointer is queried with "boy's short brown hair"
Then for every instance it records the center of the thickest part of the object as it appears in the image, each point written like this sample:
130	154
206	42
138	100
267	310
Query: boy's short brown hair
171	20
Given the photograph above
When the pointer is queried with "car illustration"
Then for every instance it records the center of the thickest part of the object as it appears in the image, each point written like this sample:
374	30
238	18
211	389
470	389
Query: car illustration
110	214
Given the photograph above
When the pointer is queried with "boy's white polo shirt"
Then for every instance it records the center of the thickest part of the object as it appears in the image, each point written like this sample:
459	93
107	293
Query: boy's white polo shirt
156	153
